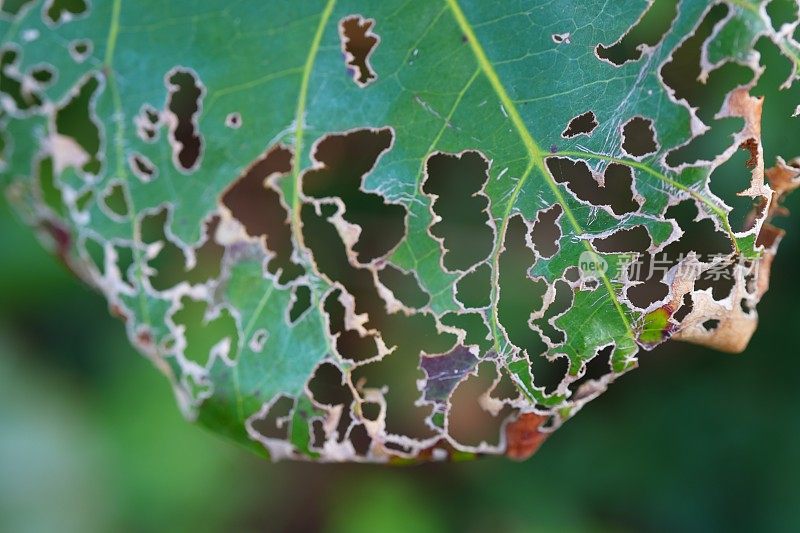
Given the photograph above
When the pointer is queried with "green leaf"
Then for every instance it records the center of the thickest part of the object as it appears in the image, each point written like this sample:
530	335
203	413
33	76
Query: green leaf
385	231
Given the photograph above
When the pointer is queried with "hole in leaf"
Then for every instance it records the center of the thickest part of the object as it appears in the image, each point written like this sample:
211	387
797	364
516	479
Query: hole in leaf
349	343
360	439
124	262
649	271
75	120
730	178
520	295
561	303
572	274
698	235
750	279
615	192
581	125
254	199
408	335
14	7
404	286
58	11
203	331
707	146
114	200
11	83
184	104
596	367
96	254
371	411
49	190
473	324
80	49
301	304
719	278
147	122
456	184
257	340
505	389
346	160
546	231
274	424
151	114
649	30
474	288
328	388
318	434
547	374
639	137
682	72
170	262
635	239
43	75
233	121
84	200
142	167
468	423
782	12
684	309
358	43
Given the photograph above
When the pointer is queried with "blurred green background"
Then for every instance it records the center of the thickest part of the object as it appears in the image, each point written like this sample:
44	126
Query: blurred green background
91	439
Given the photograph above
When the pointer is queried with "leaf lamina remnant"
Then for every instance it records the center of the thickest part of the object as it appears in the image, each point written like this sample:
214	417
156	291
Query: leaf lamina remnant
412	246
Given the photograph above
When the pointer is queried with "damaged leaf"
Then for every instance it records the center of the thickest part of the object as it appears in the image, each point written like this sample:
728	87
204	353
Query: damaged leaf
401	231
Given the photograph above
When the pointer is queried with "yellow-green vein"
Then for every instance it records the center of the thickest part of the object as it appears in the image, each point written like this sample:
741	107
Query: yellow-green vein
535	161
745	5
299	116
714	208
300	112
245	335
113	32
119	149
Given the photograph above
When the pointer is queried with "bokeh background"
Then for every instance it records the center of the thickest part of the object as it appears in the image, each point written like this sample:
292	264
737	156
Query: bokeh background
91	439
